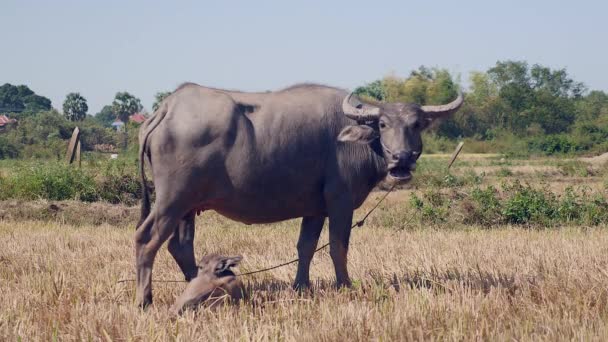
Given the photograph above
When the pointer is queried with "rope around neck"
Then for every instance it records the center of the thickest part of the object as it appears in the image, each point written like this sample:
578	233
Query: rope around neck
359	223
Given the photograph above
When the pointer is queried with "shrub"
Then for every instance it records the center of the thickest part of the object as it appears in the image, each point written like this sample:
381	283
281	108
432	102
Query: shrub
528	205
487	207
8	149
595	211
116	183
555	144
519	204
451	181
569	208
53	181
120	183
433	208
504	172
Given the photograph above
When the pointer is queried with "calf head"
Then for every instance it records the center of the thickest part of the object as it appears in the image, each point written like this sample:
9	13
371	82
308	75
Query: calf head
214	284
398	126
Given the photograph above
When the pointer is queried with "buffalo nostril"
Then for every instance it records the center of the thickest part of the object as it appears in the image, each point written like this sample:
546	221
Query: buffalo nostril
402	156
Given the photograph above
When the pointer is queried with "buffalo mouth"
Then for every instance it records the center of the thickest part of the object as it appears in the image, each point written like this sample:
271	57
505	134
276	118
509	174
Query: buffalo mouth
400	173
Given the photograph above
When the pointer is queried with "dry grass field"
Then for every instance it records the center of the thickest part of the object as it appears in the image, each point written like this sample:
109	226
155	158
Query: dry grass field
58	281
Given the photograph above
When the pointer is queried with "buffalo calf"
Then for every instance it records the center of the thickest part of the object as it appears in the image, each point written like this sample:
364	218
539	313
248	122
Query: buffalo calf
214	284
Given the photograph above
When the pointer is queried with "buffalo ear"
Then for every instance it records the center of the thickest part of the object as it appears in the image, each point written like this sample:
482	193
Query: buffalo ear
360	134
225	263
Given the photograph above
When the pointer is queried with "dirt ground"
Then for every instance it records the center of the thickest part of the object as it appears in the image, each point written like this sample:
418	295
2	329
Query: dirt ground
600	160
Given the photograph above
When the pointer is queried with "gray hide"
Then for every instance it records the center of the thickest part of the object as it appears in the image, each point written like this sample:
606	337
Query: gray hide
307	151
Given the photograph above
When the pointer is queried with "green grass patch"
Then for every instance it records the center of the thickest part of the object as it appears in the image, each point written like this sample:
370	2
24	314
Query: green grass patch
114	181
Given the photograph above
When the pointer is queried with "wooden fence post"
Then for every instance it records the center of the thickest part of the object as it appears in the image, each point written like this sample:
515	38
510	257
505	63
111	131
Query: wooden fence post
455	154
73	151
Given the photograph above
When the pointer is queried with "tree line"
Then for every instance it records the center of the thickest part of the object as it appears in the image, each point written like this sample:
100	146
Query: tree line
511	108
545	108
20	101
41	131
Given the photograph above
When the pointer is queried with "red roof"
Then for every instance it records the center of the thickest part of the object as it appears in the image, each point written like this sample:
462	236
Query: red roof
137	117
4	120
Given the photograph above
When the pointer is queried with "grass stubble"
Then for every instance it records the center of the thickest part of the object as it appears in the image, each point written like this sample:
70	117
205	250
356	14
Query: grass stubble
59	281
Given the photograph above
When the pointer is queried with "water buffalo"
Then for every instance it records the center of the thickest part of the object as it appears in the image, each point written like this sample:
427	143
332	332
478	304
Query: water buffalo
214	283
307	151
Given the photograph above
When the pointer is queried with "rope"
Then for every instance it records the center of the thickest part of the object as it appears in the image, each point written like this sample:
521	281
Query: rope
357	224
156	281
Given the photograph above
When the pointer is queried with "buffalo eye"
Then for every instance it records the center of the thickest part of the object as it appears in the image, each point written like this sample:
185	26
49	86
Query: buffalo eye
382	125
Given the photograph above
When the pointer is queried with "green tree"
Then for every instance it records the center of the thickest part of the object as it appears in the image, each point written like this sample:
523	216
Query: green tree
555	82
125	105
423	86
593	106
21	99
158	98
75	107
535	97
93	133
373	91
105	116
441	87
8	149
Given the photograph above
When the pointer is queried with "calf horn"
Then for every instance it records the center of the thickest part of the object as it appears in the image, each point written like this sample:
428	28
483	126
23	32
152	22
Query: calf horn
446	109
361	112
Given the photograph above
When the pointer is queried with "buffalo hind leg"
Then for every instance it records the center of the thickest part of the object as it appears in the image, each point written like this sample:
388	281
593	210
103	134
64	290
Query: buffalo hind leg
340	220
181	246
149	237
310	230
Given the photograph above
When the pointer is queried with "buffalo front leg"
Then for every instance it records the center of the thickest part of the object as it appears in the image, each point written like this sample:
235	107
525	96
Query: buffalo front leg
310	230
340	220
149	237
181	246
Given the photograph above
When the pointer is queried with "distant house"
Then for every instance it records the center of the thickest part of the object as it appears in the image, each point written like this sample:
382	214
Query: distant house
118	125
5	122
137	118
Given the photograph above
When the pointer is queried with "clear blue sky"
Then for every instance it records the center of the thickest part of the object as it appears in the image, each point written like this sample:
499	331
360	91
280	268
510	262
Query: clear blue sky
100	47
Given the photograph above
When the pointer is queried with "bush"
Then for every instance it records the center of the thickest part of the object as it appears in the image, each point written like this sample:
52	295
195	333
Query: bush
45	135
53	181
528	205
487	207
516	203
504	172
118	182
8	149
433	208
556	144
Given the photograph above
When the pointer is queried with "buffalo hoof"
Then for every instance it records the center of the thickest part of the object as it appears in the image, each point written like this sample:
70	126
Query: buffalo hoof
145	303
301	286
344	284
